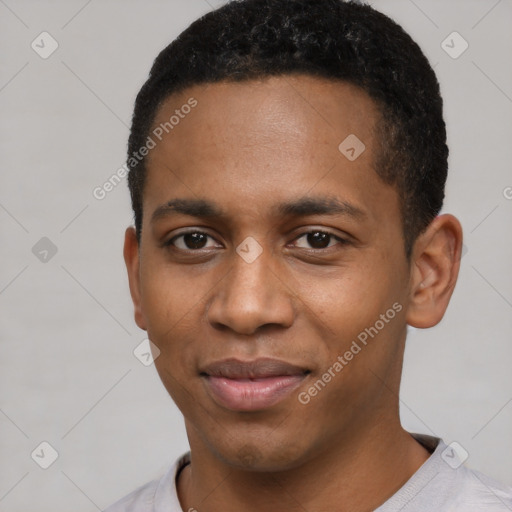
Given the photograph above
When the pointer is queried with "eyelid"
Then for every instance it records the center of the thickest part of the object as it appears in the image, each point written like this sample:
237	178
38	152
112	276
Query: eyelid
169	242
343	240
340	239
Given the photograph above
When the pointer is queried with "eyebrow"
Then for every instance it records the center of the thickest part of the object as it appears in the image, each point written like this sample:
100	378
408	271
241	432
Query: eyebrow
301	207
305	206
191	207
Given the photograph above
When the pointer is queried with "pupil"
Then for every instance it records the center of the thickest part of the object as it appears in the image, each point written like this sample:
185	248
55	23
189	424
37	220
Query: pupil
318	240
194	240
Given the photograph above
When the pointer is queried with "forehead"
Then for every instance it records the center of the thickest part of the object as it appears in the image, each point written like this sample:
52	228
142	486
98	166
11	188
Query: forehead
300	109
253	142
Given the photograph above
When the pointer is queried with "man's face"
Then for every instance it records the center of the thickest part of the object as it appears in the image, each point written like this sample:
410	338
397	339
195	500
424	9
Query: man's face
273	275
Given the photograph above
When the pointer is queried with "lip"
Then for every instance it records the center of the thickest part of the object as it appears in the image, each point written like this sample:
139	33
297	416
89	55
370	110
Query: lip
251	385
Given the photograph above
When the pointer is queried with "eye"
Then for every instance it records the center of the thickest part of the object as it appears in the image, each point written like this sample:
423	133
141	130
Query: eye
193	240
318	239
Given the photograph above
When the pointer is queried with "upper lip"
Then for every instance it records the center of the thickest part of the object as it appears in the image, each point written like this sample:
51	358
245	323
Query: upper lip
256	369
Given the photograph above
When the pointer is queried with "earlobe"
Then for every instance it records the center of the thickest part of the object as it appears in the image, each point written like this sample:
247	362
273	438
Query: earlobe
132	261
434	271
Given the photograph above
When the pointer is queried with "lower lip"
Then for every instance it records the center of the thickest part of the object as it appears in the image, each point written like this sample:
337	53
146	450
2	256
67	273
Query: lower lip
251	395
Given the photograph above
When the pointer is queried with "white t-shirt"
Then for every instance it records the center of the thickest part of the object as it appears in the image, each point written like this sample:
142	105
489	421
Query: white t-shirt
441	484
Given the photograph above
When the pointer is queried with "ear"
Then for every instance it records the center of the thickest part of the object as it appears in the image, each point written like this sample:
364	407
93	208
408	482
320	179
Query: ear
132	260
434	271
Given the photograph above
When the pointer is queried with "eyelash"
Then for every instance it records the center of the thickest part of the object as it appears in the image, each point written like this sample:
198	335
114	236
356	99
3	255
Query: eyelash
341	241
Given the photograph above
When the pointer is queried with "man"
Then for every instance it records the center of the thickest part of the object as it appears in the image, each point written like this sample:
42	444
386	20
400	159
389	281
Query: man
288	161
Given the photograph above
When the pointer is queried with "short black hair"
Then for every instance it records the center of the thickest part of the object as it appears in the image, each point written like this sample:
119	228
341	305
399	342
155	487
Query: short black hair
331	39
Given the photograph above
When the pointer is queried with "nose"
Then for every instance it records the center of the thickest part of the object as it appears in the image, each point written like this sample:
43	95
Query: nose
251	296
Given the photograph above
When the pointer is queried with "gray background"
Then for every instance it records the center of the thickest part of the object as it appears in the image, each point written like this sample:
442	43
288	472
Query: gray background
68	375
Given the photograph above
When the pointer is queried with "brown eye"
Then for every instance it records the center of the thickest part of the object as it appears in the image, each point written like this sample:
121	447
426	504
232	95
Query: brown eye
195	240
317	240
191	241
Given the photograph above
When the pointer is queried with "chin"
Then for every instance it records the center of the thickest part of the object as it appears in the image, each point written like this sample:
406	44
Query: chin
260	456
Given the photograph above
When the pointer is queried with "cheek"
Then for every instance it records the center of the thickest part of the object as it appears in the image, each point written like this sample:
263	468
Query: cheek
174	330
171	310
348	301
166	298
360	317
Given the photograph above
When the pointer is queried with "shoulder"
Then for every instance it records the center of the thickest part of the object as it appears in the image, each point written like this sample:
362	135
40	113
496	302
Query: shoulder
444	483
141	499
155	496
464	489
475	491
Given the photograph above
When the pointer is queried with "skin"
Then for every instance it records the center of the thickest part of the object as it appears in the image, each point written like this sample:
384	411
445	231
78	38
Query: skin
248	147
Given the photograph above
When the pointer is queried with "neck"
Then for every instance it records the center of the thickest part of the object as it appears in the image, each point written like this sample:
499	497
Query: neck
352	476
